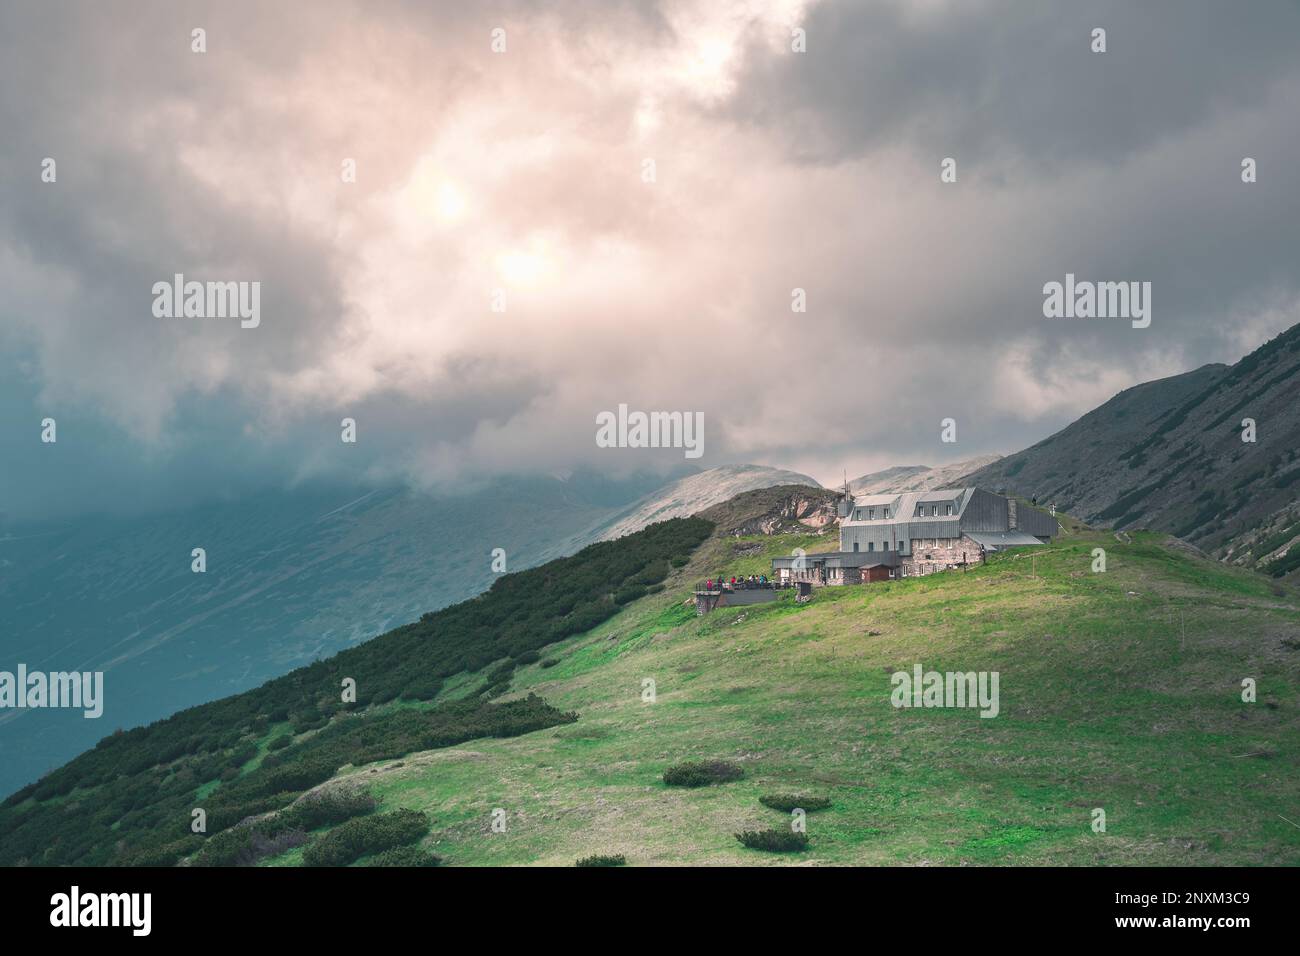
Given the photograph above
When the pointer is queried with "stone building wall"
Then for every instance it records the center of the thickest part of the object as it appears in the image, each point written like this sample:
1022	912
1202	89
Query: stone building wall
948	553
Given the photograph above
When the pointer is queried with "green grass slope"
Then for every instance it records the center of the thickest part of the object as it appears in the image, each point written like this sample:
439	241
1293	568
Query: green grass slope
1119	690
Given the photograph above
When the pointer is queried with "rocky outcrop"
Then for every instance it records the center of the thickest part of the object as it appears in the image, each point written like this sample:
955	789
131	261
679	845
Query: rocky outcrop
694	493
783	510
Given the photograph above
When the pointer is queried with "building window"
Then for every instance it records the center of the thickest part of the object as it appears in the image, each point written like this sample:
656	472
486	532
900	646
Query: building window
884	512
871	514
947	509
934	511
871	546
855	546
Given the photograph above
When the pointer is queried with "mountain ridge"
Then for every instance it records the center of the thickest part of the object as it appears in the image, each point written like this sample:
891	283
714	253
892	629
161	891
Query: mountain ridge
904	478
1170	455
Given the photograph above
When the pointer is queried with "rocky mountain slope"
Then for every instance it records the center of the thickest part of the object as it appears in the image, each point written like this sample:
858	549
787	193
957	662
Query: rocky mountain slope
793	509
694	493
1170	455
918	477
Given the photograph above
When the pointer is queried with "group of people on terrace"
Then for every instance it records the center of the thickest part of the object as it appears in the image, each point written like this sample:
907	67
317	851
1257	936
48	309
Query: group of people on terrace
721	583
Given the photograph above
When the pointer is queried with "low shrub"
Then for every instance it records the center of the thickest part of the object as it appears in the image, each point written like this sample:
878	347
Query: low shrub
629	594
549	662
601	859
702	773
280	742
403	856
225	810
502	672
242	755
790	801
301	775
246	845
426	688
165	855
774	841
366	835
330	808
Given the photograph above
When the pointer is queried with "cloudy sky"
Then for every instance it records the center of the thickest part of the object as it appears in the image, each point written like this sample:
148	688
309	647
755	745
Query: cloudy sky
524	171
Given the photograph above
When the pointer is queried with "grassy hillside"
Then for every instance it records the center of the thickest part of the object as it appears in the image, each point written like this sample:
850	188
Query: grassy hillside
1119	690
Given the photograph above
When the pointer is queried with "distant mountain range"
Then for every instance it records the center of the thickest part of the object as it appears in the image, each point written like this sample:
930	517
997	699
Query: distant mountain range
1169	455
918	477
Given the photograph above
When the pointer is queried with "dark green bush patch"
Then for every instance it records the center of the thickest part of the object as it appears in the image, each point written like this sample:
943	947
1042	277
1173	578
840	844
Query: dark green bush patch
330	808
791	801
248	843
702	773
366	835
774	841
601	859
165	855
403	856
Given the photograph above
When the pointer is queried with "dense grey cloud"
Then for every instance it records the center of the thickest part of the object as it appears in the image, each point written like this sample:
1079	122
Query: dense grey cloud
1017	83
523	171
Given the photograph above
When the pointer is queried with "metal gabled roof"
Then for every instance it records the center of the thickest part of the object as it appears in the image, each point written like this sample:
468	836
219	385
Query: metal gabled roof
902	507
